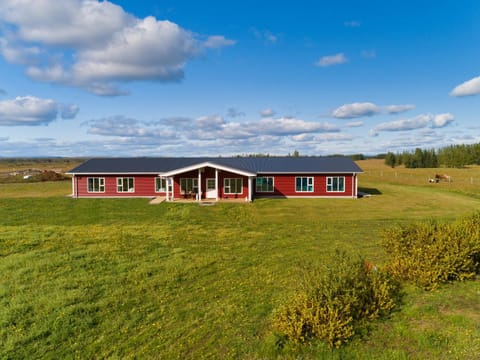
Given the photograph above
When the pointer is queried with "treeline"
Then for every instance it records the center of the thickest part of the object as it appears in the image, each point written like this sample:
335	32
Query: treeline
452	156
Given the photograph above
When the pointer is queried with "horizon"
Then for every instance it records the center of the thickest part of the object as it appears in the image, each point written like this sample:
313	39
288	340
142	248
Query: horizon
125	78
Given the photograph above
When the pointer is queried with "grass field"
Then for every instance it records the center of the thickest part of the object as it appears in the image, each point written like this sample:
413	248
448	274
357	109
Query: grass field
119	278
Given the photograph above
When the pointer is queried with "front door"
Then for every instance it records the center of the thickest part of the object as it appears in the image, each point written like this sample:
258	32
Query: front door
211	192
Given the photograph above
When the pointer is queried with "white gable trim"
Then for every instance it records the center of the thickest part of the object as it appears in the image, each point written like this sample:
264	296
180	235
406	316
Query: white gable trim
206	164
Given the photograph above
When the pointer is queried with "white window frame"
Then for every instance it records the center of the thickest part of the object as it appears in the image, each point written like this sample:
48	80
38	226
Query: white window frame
120	184
260	189
331	182
160	185
227	186
100	184
194	185
310	183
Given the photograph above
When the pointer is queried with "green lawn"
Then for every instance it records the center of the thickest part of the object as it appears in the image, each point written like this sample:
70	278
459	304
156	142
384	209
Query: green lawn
119	278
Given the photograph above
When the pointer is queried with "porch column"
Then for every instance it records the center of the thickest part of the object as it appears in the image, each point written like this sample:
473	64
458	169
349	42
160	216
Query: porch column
199	190
250	188
166	187
216	184
170	181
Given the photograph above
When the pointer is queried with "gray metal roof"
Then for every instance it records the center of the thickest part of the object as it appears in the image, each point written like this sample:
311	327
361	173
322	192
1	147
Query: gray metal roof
260	165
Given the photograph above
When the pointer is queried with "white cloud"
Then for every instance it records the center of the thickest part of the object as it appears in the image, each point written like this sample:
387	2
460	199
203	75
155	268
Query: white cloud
418	122
442	120
206	128
353	23
267	113
331	60
470	87
233	113
267	36
355	124
355	110
396	109
95	45
68	111
289	126
368	54
32	111
126	127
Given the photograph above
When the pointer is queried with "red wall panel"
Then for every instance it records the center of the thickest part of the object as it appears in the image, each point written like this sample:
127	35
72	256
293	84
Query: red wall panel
284	185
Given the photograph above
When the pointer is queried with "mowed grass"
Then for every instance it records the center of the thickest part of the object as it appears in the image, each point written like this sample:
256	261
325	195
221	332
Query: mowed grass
119	278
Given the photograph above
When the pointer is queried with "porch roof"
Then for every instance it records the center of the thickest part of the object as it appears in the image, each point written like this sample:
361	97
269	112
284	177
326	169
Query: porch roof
208	164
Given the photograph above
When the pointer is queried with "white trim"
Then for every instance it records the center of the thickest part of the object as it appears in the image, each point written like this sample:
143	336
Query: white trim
331	184
73	186
230	186
265	177
96	192
306	177
250	188
216	184
155	184
207	164
130	189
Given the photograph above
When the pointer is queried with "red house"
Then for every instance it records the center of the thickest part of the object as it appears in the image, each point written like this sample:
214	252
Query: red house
217	178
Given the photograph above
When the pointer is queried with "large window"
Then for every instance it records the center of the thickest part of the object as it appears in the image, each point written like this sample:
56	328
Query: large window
264	184
125	184
188	185
336	184
233	186
304	184
95	184
160	184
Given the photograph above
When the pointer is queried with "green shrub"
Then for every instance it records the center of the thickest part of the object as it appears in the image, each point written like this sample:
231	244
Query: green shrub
333	301
432	253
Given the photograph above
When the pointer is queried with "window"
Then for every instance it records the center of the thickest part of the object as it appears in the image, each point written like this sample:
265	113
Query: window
160	184
188	185
233	186
264	184
304	184
96	184
336	184
125	184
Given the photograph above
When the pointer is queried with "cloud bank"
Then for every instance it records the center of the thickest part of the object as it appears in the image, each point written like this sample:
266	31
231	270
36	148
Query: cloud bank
418	122
33	111
357	110
95	45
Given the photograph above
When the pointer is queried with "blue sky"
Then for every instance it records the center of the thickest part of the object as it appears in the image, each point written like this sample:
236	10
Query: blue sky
190	78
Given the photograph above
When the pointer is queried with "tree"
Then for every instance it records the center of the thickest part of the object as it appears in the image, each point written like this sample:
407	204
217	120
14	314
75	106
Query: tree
390	159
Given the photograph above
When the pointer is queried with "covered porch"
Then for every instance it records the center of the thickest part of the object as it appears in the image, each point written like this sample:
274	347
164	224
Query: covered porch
208	182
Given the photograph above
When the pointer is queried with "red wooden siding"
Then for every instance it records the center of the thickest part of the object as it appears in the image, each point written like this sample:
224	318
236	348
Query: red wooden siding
144	186
284	186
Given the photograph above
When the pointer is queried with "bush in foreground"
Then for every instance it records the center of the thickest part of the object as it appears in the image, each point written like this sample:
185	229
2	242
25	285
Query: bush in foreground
336	300
433	253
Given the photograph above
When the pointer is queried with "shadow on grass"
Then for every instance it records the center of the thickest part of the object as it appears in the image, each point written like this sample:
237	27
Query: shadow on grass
363	191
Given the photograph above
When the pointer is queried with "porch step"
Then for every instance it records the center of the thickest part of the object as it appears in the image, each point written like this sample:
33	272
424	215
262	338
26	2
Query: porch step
157	200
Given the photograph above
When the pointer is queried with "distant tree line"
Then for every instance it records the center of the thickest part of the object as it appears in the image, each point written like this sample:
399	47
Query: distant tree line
451	156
